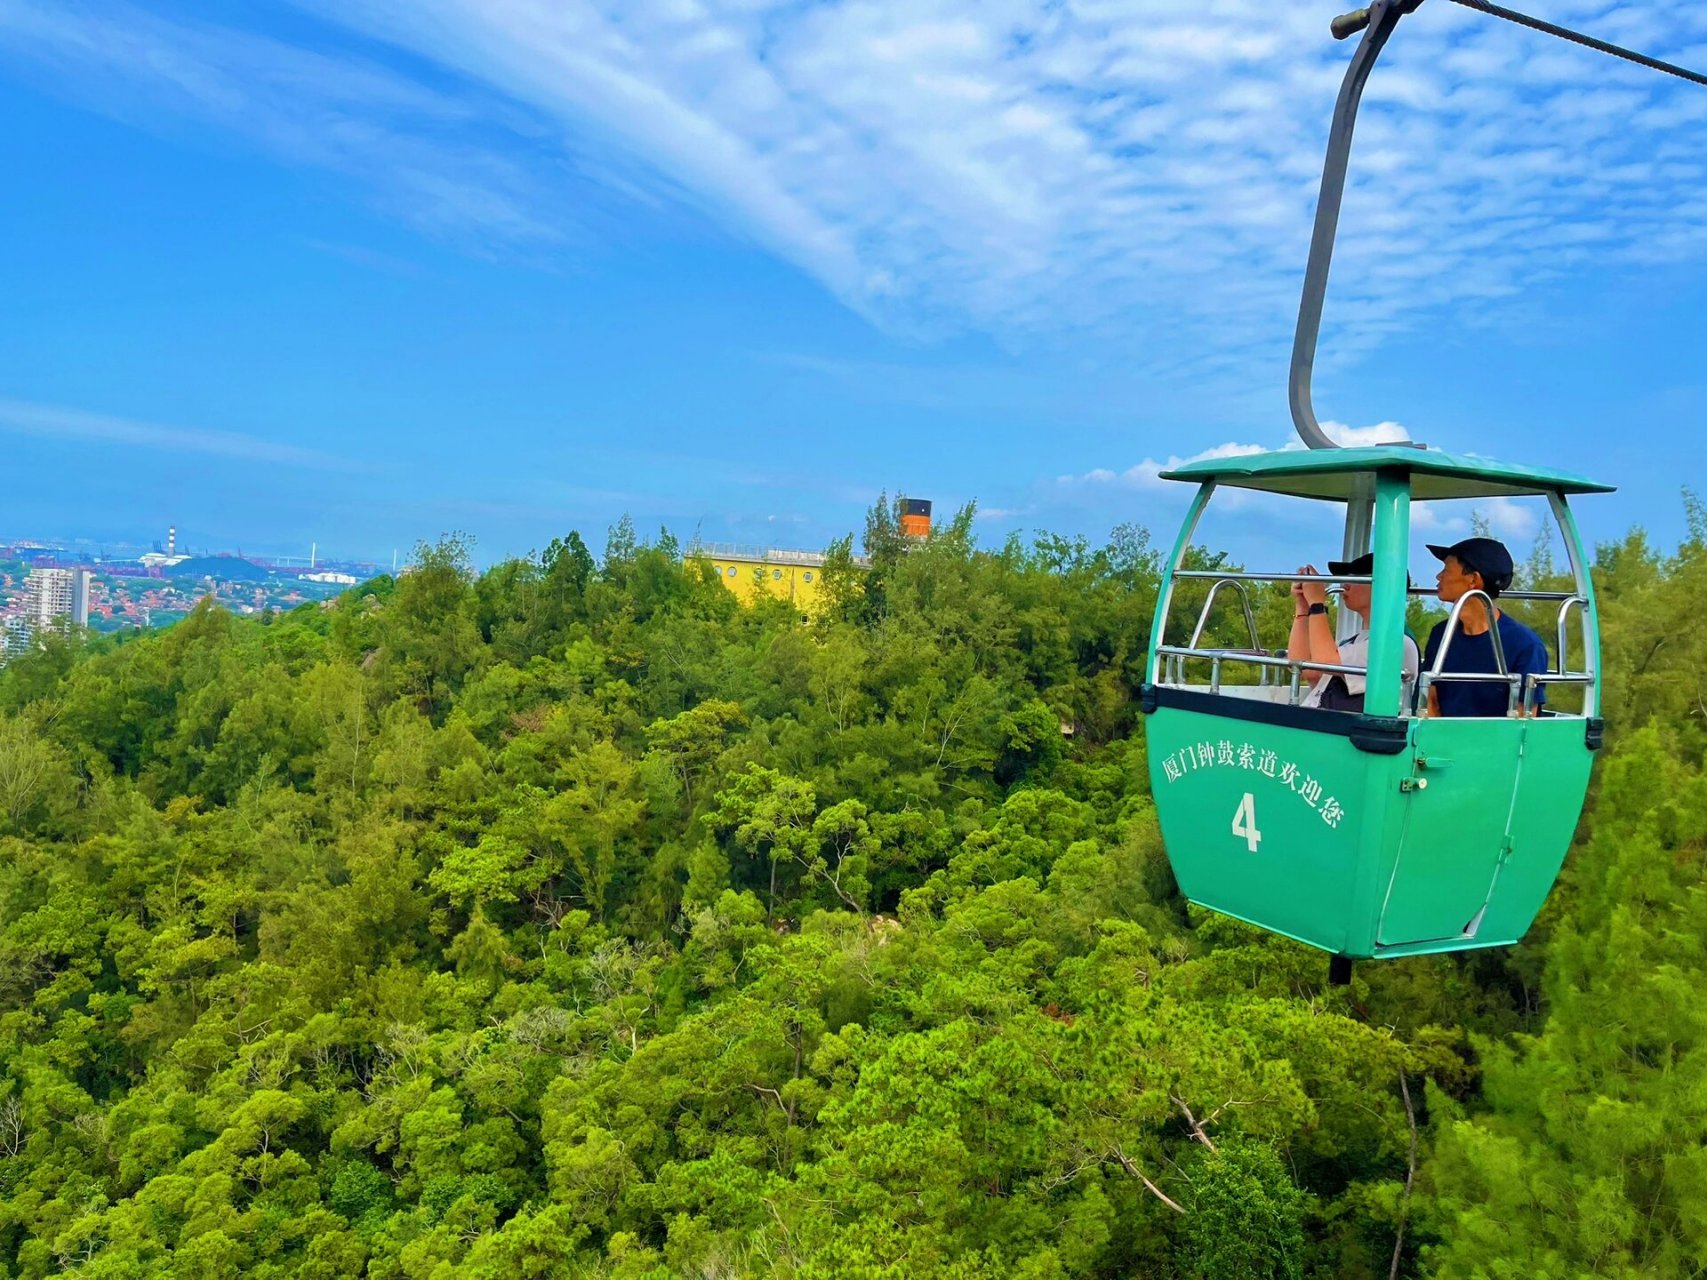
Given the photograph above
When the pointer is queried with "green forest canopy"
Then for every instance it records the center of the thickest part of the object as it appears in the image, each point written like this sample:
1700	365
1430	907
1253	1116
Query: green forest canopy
568	919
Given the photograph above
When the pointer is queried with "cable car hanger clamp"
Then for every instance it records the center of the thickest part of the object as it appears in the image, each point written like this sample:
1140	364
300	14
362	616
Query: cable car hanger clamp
1377	23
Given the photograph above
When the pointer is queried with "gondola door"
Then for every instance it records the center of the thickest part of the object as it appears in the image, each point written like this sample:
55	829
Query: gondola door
1457	830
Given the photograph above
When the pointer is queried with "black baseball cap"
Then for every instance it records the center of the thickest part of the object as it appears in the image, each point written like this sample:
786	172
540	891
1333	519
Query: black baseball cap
1486	556
1361	566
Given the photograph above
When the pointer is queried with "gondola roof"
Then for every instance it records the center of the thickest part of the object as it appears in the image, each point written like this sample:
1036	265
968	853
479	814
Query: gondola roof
1335	474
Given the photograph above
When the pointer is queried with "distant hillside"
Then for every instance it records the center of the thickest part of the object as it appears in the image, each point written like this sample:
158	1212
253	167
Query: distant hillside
224	568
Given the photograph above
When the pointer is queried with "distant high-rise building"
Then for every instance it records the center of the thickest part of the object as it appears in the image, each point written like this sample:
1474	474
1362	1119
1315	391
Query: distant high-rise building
14	635
57	597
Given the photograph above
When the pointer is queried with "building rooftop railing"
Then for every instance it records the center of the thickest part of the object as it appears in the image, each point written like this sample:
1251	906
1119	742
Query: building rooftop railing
760	553
755	551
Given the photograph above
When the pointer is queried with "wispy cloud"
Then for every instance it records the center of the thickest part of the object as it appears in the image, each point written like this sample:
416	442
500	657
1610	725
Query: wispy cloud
775	519
448	164
1021	168
51	422
1028	166
362	256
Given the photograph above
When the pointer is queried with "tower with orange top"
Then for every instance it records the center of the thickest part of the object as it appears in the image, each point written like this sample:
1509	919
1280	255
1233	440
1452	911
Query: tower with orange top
916	518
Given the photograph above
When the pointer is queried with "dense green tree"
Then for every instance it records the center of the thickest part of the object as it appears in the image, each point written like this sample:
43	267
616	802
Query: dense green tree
1592	1156
570	919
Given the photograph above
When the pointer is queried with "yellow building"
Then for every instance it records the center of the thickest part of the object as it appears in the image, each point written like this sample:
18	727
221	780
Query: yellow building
750	572
798	576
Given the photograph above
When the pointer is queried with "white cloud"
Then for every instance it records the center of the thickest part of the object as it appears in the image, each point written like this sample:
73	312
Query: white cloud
1429	519
1515	521
1147	474
1015	167
1361	437
52	422
1512	520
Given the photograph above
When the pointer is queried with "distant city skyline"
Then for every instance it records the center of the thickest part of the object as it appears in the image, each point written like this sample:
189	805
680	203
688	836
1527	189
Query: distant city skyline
66	587
129	547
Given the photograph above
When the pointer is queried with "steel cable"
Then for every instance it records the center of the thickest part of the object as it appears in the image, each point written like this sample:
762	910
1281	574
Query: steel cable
1588	42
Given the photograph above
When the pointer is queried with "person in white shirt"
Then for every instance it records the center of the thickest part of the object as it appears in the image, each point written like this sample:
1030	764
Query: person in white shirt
1313	638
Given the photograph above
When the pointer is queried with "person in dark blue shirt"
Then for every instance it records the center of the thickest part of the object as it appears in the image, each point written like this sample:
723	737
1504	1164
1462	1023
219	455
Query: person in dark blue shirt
1480	564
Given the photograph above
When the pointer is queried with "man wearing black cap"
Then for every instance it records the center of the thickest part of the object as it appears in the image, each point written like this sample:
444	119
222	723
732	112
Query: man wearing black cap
1313	638
1480	564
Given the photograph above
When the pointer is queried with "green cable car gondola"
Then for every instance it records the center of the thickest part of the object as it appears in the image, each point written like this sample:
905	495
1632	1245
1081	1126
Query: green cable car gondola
1380	832
1372	833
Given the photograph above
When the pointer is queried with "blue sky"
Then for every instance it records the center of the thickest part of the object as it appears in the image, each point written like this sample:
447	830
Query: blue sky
364	272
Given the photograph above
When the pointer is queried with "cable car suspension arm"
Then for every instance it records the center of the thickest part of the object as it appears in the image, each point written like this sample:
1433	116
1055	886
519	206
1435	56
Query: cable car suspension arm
1377	23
